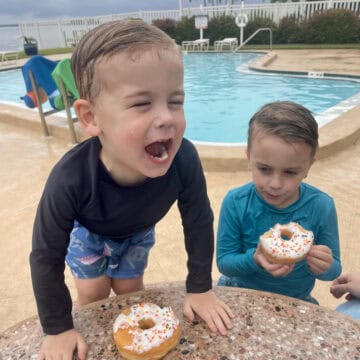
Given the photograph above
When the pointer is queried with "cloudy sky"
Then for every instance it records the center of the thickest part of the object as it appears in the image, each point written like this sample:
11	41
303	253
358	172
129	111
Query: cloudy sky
14	11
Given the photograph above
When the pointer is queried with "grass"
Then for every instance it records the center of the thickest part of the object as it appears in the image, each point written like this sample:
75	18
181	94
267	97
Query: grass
302	46
45	52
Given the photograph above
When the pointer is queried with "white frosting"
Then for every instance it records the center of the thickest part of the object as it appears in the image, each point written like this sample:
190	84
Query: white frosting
296	246
165	323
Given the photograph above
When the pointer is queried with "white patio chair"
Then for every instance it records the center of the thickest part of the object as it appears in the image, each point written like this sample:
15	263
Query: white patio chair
227	43
195	45
9	57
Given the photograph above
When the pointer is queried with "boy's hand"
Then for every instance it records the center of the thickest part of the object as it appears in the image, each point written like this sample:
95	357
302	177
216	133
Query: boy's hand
63	345
275	270
319	259
213	311
346	284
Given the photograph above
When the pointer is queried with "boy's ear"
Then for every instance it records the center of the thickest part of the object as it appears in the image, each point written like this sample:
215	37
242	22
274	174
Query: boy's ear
85	114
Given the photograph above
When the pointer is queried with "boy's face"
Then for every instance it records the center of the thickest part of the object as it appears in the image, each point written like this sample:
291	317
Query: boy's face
278	167
139	113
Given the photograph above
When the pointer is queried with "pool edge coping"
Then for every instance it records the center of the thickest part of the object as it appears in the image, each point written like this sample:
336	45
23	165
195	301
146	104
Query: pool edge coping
334	136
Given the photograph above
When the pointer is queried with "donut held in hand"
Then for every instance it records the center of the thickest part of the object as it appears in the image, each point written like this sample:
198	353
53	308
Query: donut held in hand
146	331
286	244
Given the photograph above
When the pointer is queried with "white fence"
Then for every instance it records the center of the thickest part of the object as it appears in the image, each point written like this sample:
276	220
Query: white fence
66	33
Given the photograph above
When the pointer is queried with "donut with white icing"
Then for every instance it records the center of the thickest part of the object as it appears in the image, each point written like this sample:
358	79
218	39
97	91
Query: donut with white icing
146	331
286	244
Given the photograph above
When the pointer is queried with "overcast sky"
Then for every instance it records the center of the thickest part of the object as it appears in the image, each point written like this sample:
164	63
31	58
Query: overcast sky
14	11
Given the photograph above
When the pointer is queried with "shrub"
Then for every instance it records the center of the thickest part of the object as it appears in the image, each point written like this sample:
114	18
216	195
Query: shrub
334	26
257	23
222	27
290	31
185	30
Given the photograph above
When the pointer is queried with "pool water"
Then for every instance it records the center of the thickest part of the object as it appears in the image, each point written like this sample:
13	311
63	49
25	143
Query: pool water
12	86
220	101
222	94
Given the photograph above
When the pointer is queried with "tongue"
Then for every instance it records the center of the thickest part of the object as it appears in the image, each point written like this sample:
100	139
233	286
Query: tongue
156	149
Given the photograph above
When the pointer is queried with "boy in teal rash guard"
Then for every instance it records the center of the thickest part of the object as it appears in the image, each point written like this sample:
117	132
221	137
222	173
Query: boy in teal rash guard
282	142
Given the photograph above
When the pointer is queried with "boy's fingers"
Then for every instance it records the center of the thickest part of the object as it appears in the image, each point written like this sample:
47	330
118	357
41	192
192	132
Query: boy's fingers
225	316
82	349
227	309
188	312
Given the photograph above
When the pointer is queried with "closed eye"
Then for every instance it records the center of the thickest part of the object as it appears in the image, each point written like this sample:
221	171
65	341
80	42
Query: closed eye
177	103
142	103
291	172
264	169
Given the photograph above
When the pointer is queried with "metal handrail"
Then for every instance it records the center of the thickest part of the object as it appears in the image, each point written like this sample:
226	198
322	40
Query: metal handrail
43	113
251	36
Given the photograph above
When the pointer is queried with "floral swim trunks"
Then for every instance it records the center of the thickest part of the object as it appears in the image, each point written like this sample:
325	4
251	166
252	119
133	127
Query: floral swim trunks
90	255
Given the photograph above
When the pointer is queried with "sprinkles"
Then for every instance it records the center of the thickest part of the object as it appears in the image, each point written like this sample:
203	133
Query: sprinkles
289	241
148	324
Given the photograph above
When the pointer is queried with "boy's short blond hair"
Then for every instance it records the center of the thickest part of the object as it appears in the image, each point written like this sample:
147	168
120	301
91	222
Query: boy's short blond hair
110	39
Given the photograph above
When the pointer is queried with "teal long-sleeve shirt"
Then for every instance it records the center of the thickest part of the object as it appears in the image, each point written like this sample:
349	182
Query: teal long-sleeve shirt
245	216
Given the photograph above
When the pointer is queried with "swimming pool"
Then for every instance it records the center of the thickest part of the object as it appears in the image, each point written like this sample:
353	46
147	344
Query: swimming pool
222	95
220	100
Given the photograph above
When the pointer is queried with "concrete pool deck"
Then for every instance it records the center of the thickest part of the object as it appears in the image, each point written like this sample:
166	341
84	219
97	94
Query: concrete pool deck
27	158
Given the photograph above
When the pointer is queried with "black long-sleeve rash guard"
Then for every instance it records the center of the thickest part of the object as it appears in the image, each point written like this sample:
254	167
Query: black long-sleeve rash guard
79	187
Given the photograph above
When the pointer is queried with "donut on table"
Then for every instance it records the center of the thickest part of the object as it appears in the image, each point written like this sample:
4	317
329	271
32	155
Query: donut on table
286	244
146	331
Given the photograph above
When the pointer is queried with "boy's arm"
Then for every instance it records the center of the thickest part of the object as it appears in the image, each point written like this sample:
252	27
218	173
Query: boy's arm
200	298
52	296
328	236
197	219
230	259
53	224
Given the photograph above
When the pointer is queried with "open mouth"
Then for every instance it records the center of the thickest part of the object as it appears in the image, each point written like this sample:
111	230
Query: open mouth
159	149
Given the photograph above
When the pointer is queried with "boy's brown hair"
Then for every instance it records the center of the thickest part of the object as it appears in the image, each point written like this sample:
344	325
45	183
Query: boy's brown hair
109	39
287	120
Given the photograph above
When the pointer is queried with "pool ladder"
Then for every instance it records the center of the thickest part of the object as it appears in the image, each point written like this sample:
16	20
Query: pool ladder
255	33
43	113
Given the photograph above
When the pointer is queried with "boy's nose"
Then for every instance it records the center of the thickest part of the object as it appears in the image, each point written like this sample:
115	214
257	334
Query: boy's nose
163	117
276	182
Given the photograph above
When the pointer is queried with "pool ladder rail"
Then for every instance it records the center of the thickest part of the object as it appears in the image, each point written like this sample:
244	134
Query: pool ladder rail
254	34
43	114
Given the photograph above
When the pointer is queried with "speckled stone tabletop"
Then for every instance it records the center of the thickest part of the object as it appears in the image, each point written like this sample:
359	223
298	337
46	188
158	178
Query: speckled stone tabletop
266	326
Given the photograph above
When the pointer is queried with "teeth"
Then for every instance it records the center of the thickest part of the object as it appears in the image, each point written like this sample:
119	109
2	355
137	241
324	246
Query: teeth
162	154
158	150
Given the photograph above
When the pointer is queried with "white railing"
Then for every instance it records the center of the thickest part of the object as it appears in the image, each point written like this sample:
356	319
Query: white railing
67	32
